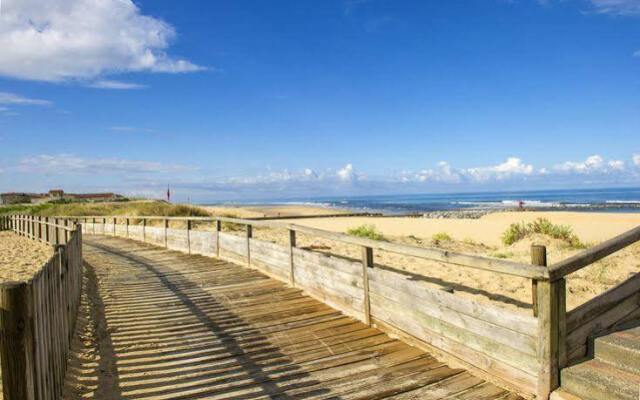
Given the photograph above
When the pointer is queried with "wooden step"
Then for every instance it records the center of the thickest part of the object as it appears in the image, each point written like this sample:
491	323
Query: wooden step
560	394
596	380
620	349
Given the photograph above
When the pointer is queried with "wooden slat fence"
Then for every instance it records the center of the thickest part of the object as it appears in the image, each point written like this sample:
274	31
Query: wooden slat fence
37	317
523	353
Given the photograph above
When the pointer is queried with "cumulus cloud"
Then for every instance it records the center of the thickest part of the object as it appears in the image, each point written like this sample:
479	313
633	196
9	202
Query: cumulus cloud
512	167
593	164
636	160
64	164
347	174
59	40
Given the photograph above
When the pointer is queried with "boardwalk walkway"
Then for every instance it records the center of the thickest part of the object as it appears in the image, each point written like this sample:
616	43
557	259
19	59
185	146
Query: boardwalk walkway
158	324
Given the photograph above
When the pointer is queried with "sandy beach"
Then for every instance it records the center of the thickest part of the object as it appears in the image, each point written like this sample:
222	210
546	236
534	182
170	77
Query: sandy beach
21	258
272	211
482	237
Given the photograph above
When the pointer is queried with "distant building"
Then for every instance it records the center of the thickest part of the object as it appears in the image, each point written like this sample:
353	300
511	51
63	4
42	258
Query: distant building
14	198
57	195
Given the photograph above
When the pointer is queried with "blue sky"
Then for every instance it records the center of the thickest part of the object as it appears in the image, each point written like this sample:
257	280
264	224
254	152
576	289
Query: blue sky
255	99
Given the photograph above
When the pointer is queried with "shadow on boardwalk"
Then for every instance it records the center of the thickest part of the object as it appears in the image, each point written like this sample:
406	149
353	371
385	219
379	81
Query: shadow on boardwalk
157	324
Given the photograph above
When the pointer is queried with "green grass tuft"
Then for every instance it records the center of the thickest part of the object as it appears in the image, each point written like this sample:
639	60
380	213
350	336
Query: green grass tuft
501	255
542	226
441	237
366	231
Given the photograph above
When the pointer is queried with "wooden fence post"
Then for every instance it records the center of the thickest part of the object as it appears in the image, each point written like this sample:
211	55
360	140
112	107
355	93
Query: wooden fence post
127	227
47	233
16	341
144	229
538	257
551	312
367	262
218	227
189	236
249	236
292	245
166	239
57	231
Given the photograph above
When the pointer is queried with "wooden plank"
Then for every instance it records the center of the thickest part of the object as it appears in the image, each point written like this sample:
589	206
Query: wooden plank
292	245
232	243
603	302
602	322
593	254
440	311
16	341
422	325
456	355
367	264
481	310
323	261
548	346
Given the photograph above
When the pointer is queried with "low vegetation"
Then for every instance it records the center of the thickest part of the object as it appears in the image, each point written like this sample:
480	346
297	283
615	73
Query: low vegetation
441	237
366	231
542	226
135	209
501	255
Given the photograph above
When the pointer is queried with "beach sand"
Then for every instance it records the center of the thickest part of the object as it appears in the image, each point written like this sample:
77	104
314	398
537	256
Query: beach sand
272	211
482	237
21	258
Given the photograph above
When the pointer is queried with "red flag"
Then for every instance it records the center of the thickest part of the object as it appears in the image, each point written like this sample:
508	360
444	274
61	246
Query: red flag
168	195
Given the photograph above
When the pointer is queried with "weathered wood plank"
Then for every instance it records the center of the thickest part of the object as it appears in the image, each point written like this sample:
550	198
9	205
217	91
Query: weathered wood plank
603	302
481	310
440	311
422	325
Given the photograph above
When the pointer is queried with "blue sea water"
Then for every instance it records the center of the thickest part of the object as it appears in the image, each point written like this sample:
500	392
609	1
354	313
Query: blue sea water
607	200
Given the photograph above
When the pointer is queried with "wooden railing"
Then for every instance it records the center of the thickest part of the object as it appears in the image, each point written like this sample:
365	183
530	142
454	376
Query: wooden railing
520	352
5	222
37	317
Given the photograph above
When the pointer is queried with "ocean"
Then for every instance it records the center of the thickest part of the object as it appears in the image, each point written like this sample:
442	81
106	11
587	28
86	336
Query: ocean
586	200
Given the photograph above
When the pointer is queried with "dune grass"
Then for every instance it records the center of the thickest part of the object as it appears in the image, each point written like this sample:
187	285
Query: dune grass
134	209
542	226
366	231
441	237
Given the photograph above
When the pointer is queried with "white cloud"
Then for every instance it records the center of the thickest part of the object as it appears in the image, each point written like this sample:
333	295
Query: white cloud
347	174
617	7
616	164
636	160
512	167
60	40
63	164
593	164
11	98
117	85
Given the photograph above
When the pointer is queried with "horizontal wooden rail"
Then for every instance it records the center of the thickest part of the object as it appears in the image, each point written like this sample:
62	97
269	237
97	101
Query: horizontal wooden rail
595	253
51	224
470	261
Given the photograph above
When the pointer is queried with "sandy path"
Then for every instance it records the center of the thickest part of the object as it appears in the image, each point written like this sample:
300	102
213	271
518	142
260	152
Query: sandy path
21	258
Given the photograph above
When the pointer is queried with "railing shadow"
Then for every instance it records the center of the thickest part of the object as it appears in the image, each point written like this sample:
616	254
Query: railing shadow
160	334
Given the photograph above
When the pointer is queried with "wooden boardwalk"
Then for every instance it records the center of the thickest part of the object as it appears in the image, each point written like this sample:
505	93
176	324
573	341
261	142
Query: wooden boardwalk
159	324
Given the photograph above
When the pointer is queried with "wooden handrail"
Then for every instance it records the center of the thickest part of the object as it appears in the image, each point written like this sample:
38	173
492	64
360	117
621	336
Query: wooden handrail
54	225
595	253
470	261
